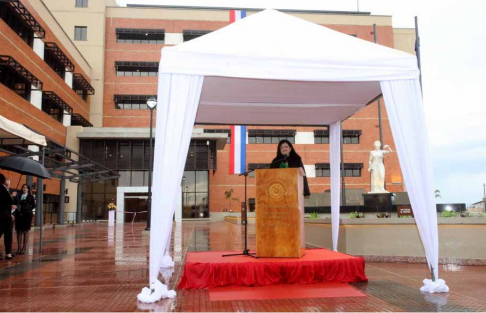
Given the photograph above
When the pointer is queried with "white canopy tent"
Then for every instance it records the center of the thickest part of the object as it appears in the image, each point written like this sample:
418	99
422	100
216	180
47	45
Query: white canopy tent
275	69
11	132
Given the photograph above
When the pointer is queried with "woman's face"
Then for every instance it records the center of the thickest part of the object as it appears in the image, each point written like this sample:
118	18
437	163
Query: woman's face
285	148
377	145
25	189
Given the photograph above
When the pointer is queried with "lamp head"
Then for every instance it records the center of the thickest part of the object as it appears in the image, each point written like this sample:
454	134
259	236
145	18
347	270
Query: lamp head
151	103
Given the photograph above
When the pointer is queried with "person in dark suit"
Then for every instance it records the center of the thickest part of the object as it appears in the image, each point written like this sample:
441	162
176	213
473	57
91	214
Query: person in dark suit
23	218
288	158
6	222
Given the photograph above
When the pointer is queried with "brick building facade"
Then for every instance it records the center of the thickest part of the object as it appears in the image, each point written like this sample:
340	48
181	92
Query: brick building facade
124	48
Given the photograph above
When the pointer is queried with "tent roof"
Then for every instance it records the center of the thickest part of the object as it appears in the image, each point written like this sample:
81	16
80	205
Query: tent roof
13	130
273	69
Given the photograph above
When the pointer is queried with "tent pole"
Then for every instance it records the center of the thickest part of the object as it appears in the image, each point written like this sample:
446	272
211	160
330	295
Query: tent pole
379	108
343	183
417	51
379	100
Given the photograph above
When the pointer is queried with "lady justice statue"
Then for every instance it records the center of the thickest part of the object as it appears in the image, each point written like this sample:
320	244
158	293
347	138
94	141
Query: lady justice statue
377	168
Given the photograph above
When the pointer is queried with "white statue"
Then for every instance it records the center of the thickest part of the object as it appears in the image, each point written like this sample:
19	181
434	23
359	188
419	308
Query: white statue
377	168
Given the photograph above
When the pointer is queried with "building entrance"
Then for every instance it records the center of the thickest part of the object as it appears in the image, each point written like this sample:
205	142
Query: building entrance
136	203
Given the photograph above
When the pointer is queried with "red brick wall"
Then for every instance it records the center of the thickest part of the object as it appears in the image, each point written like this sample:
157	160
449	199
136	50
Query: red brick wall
21	111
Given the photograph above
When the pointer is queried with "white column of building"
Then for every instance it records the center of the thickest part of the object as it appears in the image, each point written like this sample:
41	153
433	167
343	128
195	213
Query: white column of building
120	205
34	149
39	47
36	97
306	138
173	38
68	78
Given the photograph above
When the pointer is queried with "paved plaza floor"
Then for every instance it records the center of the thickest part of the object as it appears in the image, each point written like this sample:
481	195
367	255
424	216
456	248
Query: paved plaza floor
96	268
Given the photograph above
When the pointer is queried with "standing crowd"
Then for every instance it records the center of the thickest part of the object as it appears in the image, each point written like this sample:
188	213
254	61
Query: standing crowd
15	210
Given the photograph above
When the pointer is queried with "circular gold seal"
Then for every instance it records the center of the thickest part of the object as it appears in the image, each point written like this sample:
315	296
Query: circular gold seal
276	190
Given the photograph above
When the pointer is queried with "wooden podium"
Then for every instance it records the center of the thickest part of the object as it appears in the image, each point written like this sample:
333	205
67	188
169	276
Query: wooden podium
280	213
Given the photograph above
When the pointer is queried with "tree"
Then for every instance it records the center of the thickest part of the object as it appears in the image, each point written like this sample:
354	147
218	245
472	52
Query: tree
228	194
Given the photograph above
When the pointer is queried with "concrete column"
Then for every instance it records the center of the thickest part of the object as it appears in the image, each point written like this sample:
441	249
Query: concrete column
39	199
178	206
62	193
173	38
79	207
120	205
39	47
29	181
68	78
66	120
304	138
310	170
34	148
36	97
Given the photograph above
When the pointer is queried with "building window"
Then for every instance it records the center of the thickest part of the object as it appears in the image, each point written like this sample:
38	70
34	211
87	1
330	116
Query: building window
220	131
195	194
272	136
19	19
82	87
321	136
54	106
15	77
136	68
57	60
201	155
81	33
81	3
140	36
350	170
349	136
193	34
132	102
126	155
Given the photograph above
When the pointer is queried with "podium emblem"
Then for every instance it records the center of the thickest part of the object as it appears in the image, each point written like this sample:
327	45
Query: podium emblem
276	190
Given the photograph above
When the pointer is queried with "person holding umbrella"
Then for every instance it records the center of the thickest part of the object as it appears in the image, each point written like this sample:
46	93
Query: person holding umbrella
23	218
6	222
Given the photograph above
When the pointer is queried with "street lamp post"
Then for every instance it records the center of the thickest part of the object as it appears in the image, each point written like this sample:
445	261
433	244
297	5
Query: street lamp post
151	103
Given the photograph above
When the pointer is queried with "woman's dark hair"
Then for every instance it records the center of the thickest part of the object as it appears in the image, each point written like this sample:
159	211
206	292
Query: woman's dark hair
28	189
293	155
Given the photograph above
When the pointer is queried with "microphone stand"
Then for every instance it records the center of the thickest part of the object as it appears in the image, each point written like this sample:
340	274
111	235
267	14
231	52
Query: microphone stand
246	251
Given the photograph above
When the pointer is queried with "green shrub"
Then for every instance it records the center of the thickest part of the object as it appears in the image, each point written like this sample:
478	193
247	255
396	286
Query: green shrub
314	215
448	214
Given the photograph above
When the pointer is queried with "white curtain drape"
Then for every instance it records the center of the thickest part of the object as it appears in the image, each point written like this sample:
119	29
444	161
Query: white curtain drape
335	160
403	100
178	98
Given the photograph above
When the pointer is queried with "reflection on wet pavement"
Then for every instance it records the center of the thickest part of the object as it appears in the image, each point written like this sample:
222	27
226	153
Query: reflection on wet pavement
93	267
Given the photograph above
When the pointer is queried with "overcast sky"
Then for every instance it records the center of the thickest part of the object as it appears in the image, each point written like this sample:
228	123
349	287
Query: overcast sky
453	47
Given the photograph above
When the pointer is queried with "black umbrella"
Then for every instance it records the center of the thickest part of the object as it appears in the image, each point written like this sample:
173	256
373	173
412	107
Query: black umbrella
24	166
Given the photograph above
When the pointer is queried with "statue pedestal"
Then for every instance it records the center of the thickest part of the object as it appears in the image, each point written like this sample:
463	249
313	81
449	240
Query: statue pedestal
378	202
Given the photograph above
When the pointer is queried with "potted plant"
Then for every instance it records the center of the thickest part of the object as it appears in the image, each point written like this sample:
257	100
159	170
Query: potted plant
111	214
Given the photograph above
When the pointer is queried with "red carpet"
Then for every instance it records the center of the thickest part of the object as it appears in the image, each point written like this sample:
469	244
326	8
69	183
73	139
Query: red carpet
210	269
319	290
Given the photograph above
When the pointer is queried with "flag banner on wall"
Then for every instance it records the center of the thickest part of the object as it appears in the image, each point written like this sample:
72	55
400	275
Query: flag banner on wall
236	15
238	150
238	133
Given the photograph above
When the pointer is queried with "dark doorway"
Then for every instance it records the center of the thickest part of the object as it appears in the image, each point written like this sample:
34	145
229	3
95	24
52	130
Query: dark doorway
136	203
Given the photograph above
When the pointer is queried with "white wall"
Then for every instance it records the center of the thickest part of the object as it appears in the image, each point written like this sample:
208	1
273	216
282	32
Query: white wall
39	47
36	97
68	78
66	120
304	138
173	38
310	170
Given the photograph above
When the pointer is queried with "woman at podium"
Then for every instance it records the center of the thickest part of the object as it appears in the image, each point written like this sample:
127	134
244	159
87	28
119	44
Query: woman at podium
288	158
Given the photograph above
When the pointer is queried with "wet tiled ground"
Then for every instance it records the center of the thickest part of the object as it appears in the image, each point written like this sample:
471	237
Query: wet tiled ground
96	268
